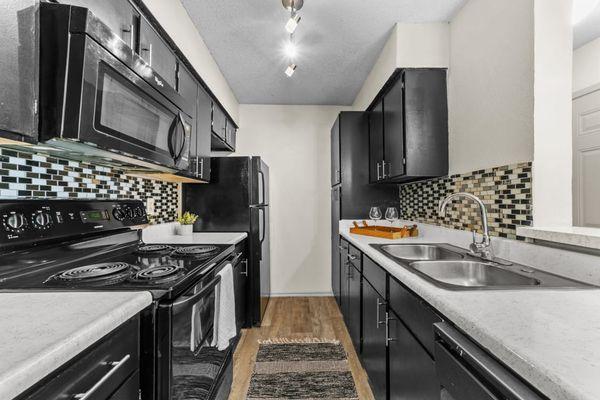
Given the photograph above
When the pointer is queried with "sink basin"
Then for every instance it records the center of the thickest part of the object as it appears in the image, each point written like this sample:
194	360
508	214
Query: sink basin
420	252
471	274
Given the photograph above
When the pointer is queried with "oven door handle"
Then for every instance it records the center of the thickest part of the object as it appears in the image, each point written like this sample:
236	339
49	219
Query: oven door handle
186	301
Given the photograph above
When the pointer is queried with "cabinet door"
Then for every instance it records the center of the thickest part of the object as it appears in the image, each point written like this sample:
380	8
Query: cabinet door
344	262
353	321
240	279
374	352
231	132
336	246
219	122
412	370
118	15
393	120
336	174
157	53
188	89
203	133
376	142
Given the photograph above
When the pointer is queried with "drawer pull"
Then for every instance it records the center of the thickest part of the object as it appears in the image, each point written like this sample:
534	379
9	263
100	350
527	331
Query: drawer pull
116	365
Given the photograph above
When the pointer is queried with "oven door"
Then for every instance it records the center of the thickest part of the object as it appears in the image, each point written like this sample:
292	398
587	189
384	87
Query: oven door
188	366
120	111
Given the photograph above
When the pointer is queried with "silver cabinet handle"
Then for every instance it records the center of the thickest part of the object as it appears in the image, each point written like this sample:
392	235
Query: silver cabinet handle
245	271
378	172
351	257
116	365
388	339
383	169
379	304
202	167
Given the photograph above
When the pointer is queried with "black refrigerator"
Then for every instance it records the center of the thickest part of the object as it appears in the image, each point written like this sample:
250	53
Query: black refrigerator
237	200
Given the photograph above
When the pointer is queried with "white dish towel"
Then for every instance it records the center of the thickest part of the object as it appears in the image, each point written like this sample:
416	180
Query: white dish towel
224	327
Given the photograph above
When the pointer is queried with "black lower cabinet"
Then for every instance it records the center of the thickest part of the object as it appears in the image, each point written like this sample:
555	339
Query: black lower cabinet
108	370
240	285
353	320
374	352
343	296
412	370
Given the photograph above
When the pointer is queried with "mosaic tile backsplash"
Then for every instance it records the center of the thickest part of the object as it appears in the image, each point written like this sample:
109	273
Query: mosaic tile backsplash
24	175
506	192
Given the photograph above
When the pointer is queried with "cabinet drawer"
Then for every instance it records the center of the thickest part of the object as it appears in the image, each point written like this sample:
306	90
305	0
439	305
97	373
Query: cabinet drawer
355	257
105	367
375	275
415	313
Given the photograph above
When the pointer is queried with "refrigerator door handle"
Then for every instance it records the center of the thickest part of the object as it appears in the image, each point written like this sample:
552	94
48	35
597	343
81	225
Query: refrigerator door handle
264	223
262	179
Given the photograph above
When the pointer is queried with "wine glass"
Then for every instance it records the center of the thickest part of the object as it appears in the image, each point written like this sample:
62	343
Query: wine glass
391	214
375	214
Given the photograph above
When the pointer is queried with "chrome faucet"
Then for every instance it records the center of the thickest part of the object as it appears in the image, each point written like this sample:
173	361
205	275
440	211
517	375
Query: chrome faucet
481	249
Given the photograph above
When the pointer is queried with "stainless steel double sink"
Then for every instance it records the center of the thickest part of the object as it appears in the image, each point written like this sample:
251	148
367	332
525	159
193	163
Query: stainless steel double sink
453	268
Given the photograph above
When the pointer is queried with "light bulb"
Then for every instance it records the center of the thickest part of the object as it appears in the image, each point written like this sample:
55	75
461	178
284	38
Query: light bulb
292	23
290	70
582	9
290	49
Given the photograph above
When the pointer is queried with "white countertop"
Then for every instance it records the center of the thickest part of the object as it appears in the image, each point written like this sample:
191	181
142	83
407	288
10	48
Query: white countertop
573	235
551	338
42	331
165	233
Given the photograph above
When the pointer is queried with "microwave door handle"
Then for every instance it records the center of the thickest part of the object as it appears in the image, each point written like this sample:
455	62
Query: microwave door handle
186	301
172	131
183	139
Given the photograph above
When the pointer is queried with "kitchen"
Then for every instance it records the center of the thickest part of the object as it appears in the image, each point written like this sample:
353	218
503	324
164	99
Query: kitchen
188	191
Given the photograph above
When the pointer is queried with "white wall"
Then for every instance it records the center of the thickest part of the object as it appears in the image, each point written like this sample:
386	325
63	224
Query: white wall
491	84
294	142
409	45
552	166
586	65
175	20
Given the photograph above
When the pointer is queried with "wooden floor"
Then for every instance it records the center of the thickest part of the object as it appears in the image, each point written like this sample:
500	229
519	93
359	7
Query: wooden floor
295	317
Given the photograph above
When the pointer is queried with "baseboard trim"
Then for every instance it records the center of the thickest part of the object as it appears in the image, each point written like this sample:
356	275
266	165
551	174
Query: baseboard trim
309	294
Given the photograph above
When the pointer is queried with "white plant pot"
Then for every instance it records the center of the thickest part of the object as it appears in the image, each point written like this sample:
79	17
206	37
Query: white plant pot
184	230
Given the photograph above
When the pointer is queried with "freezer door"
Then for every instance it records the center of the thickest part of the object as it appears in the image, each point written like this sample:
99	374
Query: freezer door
260	179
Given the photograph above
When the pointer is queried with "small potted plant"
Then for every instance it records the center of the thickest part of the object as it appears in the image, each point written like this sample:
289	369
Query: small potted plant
186	224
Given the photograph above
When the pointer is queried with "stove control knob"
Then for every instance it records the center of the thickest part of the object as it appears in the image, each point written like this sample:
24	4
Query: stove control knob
130	213
15	222
139	212
42	220
118	214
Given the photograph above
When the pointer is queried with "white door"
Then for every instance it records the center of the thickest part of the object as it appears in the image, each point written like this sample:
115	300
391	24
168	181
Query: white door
586	160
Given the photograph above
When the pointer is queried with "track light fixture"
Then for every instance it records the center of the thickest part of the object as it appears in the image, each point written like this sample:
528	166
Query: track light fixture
293	6
289	71
292	23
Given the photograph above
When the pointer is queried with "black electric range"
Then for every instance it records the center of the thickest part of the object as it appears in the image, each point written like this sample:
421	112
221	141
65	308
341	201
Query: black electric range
59	245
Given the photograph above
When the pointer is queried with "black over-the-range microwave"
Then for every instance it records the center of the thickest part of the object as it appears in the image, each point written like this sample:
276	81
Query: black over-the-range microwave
100	102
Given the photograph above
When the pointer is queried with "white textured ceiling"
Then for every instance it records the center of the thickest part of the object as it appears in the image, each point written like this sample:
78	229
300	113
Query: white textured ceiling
338	43
587	30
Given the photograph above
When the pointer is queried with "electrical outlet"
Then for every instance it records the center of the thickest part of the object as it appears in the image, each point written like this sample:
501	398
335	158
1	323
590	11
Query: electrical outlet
150	206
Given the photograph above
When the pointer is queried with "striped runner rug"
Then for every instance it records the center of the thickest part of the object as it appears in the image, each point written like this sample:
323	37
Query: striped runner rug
301	369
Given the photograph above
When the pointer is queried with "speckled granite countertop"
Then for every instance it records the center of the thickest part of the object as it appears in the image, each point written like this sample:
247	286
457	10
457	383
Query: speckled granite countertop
39	332
551	338
165	233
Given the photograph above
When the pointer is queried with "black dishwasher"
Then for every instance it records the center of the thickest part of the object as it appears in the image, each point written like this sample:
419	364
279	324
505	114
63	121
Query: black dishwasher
466	372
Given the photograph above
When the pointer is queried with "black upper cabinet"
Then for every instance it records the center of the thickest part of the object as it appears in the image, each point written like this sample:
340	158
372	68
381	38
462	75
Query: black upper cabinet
223	129
157	53
357	195
393	122
203	127
199	107
119	15
376	141
336	172
219	122
409	127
